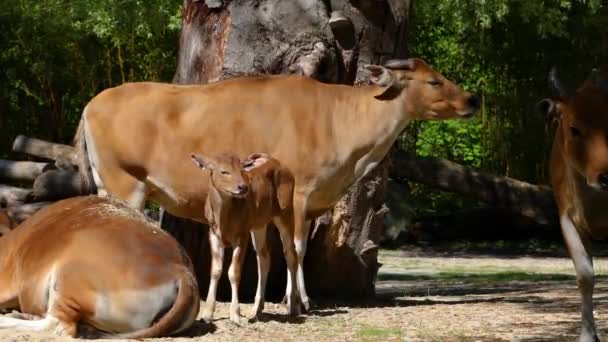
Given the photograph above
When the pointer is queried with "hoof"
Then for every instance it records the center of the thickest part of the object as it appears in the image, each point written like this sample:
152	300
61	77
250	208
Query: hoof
307	305
207	318
294	309
236	320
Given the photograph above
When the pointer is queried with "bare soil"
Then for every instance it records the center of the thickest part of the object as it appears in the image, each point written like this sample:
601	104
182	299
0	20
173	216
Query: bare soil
427	298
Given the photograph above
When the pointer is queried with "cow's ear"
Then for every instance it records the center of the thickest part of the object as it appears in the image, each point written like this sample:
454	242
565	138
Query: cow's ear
388	79
550	109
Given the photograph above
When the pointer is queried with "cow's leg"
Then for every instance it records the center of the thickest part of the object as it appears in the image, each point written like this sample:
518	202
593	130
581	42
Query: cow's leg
20	315
217	258
48	323
61	317
234	274
123	185
8	297
579	248
292	294
258	236
301	230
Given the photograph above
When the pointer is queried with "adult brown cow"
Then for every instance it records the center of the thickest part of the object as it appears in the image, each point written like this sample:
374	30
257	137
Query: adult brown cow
140	136
99	263
579	175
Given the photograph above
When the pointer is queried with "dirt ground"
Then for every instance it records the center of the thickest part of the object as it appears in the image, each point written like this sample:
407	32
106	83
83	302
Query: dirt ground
428	298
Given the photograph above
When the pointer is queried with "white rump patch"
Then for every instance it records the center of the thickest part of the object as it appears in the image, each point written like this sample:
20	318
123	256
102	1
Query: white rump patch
132	310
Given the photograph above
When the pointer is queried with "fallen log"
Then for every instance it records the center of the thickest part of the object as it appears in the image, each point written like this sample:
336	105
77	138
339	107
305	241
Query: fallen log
12	195
62	154
20	213
56	184
472	224
530	200
21	170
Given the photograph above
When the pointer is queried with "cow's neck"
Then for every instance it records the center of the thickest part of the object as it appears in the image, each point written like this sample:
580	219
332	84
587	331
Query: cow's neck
368	128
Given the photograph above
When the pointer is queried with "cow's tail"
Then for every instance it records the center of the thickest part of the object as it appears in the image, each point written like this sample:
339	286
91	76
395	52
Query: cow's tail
87	183
179	317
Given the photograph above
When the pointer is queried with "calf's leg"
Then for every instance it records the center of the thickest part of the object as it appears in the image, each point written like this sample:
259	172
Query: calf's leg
217	257
234	274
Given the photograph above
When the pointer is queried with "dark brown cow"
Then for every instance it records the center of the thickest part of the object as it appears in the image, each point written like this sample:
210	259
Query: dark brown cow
579	175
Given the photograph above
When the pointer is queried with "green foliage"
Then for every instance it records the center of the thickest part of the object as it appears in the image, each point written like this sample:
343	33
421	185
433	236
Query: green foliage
57	54
502	50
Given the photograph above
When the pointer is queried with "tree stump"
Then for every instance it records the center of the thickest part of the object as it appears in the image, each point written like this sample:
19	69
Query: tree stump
323	39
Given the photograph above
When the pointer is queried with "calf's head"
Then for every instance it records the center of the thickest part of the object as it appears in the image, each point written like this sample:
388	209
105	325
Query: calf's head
423	91
270	179
582	124
225	172
6	223
259	171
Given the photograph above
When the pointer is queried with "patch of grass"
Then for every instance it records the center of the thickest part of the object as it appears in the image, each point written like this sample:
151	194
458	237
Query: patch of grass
377	333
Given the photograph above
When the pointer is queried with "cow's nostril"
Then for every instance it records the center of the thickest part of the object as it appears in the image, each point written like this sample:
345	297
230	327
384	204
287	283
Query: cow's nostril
474	101
243	188
602	179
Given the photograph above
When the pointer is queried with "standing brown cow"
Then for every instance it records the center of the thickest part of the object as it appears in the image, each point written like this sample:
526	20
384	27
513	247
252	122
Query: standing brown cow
139	137
579	175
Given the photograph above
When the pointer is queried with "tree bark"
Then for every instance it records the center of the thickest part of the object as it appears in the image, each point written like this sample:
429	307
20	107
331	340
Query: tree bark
223	39
530	200
21	170
61	154
11	195
57	184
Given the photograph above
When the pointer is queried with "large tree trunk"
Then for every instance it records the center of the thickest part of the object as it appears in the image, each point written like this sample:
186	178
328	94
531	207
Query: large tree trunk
223	39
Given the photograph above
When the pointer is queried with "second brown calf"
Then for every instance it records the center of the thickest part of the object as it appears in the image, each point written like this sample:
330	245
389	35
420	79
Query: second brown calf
6	223
243	198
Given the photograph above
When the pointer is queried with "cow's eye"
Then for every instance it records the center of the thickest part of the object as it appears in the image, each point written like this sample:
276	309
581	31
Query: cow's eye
575	132
435	82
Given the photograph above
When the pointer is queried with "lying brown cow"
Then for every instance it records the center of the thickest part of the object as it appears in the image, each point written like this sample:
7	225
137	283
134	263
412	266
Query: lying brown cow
243	198
579	175
138	137
98	262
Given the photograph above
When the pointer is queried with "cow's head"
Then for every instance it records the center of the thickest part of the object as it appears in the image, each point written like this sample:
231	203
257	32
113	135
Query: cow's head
226	172
424	92
582	124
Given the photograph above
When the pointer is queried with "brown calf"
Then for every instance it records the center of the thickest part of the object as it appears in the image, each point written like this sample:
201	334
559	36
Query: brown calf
6	223
579	175
138	137
242	198
98	262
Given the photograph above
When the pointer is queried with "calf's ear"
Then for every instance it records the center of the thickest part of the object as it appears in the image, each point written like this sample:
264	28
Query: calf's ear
284	184
203	162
